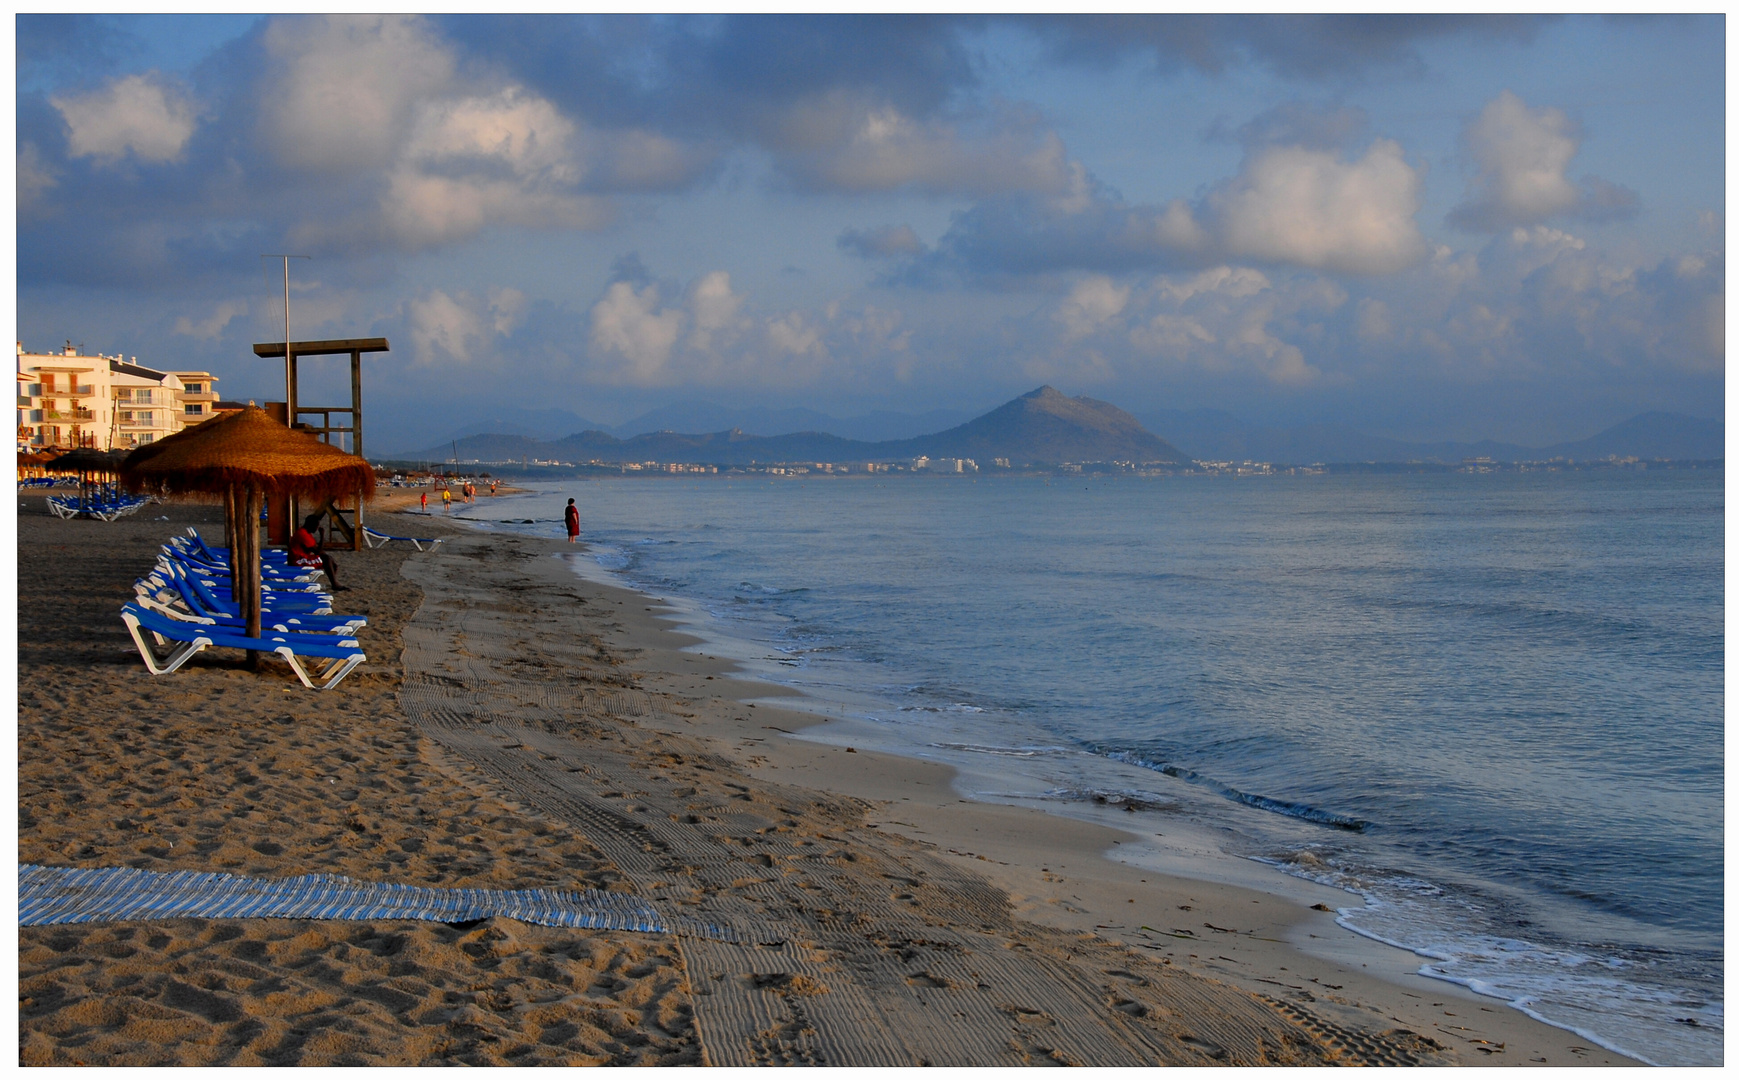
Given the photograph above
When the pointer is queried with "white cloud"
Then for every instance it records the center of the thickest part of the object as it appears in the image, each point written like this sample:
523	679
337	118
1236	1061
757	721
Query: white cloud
633	326
144	114
1222	320
208	329
1523	156
792	335
507	308
34	176
345	87
443	326
1310	208
382	98
844	143
1091	302
716	310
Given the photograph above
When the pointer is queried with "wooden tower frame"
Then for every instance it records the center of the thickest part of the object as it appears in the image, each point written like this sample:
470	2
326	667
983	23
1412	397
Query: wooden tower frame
325	429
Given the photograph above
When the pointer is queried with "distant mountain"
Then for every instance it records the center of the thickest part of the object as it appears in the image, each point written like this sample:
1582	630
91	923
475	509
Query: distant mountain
1041	427
1209	434
1046	426
532	423
1653	435
703	416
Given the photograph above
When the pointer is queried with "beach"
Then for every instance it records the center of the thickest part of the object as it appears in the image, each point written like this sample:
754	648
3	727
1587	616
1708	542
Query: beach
518	726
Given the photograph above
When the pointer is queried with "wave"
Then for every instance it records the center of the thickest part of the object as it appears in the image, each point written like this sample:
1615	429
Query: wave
1302	811
1002	751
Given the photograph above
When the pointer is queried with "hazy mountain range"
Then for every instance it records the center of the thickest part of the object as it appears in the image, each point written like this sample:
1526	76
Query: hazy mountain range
1042	427
550	424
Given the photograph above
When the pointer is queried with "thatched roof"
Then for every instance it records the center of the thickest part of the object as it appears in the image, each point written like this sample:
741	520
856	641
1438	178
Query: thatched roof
248	448
86	460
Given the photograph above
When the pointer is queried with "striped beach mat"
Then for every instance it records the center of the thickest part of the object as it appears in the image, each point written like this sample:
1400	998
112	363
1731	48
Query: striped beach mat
48	895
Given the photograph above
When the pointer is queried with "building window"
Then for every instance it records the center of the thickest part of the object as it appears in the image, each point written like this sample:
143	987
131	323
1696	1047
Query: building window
147	438
195	388
193	410
126	417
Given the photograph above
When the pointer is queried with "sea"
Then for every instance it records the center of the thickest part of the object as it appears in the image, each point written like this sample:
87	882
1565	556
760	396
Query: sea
1487	706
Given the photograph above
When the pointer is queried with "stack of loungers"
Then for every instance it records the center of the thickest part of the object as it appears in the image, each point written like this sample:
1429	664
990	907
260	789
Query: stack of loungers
105	506
184	606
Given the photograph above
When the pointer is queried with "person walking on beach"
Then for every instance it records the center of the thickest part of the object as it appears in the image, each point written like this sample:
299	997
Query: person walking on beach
572	517
446	501
425	502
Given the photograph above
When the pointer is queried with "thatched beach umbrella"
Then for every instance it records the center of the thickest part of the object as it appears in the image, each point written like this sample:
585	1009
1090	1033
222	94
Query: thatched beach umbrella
245	457
86	462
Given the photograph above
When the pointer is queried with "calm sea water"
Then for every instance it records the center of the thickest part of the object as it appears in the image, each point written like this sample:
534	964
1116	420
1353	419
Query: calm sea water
1490	705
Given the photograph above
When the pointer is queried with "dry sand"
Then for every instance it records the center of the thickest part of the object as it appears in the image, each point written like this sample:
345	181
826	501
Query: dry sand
541	730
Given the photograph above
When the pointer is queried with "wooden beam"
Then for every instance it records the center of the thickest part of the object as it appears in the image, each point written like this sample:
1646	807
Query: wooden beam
324	348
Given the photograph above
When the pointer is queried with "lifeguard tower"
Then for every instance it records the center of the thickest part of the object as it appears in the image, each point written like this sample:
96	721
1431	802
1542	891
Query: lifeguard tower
282	514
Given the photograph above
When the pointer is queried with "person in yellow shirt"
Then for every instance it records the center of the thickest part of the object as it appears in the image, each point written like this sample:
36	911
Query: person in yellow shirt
446	501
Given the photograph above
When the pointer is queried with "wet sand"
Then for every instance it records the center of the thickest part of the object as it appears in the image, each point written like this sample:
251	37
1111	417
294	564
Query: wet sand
517	726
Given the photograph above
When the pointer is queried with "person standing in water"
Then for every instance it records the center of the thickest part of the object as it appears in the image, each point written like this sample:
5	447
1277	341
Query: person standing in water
425	502
446	501
572	517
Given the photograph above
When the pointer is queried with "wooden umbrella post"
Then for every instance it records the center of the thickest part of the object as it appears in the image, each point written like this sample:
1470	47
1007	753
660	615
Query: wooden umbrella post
232	531
251	531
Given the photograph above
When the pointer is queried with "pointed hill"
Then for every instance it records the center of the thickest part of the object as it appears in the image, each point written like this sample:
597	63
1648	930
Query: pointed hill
1046	427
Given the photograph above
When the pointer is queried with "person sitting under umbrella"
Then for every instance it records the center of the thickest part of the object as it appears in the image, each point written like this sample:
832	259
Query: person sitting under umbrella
305	550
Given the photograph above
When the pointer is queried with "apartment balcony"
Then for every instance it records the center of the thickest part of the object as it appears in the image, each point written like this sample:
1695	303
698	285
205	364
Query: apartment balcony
188	395
72	415
86	390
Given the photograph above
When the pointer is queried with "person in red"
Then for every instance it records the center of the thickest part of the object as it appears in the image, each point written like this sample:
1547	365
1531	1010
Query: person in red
425	502
572	517
305	551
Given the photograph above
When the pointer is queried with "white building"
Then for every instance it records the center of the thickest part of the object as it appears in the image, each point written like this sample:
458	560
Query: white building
950	465
67	400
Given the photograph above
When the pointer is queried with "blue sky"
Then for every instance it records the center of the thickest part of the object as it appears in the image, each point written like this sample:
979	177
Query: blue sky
1427	228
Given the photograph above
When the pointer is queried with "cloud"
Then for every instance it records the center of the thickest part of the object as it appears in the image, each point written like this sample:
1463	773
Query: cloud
342	89
461	327
34	176
1314	47
886	242
716	310
1522	155
849	143
507	309
631	326
1310	208
208	329
1091	302
444	327
1292	203
145	115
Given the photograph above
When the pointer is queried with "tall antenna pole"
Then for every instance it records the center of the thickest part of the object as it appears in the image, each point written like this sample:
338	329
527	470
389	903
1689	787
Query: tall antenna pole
289	356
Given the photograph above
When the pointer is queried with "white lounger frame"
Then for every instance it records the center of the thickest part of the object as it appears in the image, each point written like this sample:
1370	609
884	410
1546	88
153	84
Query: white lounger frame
332	672
379	539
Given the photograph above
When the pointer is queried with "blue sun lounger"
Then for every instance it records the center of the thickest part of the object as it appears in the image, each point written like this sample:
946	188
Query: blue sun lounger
176	598
210	588
376	539
334	657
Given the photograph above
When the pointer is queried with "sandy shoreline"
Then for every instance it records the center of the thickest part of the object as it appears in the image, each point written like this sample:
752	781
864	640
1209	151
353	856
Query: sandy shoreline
541	729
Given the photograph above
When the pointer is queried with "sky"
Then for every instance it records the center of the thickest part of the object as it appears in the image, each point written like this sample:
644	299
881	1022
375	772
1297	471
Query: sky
1421	227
